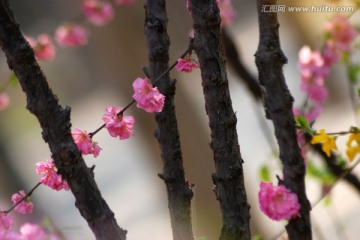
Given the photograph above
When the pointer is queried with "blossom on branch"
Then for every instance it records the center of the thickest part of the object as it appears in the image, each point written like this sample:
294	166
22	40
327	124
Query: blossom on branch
25	206
186	65
327	141
50	177
71	35
84	143
118	125
147	97
98	12
43	47
278	202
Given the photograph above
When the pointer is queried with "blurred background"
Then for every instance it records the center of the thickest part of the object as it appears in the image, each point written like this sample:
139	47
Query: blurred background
100	74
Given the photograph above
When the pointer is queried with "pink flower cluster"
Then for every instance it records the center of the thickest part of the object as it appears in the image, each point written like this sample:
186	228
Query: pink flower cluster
43	47
340	33
278	202
147	97
27	231
186	65
315	67
25	206
118	125
84	143
71	35
50	177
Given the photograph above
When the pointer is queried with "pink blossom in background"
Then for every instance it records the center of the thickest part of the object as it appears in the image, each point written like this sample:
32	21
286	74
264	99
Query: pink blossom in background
147	97
71	35
311	113
98	12
25	206
50	177
6	222
124	2
9	235
43	47
4	101
118	126
341	32
85	143
30	231
278	202
312	64
330	54
186	65
227	12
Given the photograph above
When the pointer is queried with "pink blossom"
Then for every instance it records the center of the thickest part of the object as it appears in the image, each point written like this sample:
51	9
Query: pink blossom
227	12
330	54
9	235
6	222
311	113
43	47
98	12
25	206
50	177
278	202
71	35
118	126
4	101
30	231
186	65
84	143
124	2
147	97
341	32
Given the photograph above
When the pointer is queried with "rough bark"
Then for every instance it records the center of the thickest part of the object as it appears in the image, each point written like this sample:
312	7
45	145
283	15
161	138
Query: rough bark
278	106
228	177
178	190
55	124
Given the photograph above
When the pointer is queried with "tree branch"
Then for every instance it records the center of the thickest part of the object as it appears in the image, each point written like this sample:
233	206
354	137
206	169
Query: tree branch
178	190
55	123
278	106
228	177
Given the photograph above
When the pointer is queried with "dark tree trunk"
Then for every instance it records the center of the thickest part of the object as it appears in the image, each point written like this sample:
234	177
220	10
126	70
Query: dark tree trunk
55	123
228	178
178	190
278	106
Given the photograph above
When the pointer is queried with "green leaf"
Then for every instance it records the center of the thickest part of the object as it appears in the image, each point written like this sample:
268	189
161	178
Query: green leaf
353	73
13	80
345	57
301	122
265	173
200	238
257	237
320	173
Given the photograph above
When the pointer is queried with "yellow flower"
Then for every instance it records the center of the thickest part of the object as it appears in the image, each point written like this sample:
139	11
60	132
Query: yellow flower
353	137
328	142
353	150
